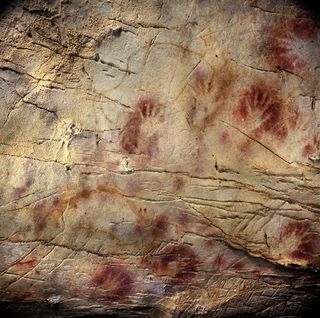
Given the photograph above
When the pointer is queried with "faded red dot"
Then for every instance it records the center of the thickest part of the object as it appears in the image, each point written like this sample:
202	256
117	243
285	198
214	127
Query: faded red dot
142	211
225	138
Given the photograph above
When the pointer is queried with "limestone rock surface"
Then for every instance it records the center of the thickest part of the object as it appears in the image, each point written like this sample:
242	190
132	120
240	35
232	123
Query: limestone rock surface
159	158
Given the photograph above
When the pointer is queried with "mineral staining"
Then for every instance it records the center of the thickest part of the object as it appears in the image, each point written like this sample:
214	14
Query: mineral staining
148	160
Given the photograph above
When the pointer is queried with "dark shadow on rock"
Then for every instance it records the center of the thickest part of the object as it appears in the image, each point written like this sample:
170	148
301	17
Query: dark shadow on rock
311	6
5	4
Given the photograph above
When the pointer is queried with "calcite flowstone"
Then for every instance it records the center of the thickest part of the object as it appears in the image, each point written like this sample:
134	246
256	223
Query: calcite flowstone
159	158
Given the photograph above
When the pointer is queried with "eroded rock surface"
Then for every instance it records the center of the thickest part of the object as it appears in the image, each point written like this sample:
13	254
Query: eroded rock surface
159	158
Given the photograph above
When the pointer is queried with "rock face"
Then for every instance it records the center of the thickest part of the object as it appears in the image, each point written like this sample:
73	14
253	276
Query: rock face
159	158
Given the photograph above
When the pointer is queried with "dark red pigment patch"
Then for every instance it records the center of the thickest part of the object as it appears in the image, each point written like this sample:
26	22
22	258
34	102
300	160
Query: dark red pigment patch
115	280
138	229
179	263
225	138
130	135
308	150
288	42
27	264
47	211
308	241
83	194
179	183
131	140
210	244
210	90
148	107
186	221
262	112
245	147
86	193
295	228
18	192
159	228
286	59
134	186
257	272
304	29
238	266
220	262
152	145
206	98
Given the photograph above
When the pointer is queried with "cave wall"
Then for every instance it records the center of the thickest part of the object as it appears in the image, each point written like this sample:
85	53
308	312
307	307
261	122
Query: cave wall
159	158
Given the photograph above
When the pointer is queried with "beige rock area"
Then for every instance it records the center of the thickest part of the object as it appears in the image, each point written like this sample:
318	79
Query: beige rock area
159	158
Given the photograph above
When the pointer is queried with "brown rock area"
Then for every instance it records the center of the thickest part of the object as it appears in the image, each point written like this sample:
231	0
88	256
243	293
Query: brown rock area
159	158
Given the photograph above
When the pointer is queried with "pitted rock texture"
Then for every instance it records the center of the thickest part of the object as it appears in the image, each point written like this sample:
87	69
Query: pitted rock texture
159	158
